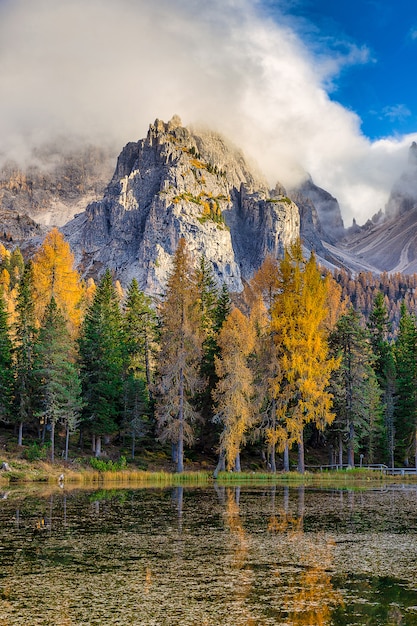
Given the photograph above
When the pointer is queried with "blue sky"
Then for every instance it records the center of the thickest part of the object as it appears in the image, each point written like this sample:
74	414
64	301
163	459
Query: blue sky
379	83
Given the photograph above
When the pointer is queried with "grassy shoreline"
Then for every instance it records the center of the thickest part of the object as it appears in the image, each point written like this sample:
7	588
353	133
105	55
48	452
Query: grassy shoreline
31	472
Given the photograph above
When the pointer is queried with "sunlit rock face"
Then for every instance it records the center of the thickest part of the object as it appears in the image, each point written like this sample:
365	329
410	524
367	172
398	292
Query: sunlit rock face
180	182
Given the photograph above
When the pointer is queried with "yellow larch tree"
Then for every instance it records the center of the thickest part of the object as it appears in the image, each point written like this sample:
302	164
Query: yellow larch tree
265	281
234	390
264	288
299	314
335	303
11	269
54	275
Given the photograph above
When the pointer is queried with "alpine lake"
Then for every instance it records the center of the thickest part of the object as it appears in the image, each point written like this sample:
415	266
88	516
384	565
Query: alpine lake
209	556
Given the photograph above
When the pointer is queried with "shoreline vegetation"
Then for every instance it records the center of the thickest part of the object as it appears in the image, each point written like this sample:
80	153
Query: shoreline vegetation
24	473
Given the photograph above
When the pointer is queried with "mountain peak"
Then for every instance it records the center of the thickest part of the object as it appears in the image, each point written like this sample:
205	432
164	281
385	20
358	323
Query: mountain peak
180	182
412	154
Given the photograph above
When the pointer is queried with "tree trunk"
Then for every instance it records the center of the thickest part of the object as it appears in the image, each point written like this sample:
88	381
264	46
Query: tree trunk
148	367
340	450
351	451
97	452
52	441
300	464
20	434
180	452
133	444
93	443
237	463
331	456
273	461
67	436
221	465
286	458
415	454
272	455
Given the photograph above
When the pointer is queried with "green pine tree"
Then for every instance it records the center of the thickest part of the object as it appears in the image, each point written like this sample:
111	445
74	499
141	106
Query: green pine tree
208	298
140	327
25	336
57	383
355	389
102	362
379	328
6	366
405	415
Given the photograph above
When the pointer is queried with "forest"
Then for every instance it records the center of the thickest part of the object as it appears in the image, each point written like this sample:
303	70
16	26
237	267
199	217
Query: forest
302	360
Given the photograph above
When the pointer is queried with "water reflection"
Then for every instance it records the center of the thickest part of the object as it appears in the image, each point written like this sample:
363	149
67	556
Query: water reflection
230	556
242	574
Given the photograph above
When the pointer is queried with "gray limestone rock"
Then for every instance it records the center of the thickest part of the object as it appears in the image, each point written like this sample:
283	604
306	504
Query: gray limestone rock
175	183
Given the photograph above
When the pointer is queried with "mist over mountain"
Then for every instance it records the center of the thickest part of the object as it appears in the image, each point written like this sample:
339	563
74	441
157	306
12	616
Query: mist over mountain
100	71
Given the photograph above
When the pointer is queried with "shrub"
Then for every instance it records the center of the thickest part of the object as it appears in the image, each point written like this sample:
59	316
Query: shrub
38	451
108	466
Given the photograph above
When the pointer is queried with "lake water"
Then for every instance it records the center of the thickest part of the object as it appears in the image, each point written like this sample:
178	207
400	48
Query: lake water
209	557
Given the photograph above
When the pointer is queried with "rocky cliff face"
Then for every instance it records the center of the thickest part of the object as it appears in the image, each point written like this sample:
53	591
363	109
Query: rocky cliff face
59	182
180	182
326	216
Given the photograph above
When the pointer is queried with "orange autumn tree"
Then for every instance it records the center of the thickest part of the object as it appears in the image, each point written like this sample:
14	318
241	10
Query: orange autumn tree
299	316
234	390
54	276
265	287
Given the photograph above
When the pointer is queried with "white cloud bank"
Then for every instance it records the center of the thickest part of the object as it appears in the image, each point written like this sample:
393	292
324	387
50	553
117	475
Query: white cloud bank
105	69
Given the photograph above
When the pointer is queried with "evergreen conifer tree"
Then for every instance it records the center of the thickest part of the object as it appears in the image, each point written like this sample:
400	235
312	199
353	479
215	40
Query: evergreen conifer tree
355	389
405	416
212	319
6	366
58	387
140	334
102	362
379	327
25	336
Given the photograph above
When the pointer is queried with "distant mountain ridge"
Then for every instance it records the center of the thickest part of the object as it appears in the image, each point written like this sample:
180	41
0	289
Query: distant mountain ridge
388	242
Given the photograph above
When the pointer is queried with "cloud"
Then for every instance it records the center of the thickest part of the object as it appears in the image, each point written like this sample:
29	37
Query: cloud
397	112
103	69
413	33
